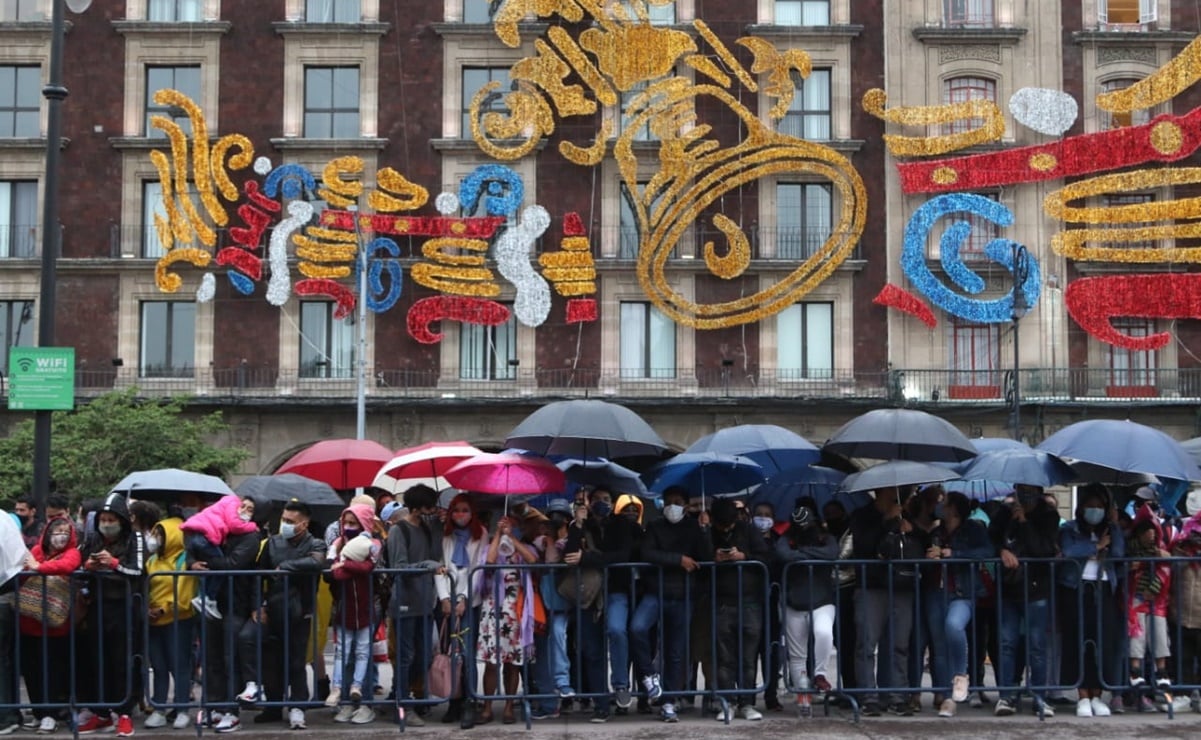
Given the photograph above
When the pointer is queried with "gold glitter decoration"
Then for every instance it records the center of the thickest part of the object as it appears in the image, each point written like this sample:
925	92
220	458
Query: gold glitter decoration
1043	162
514	12
319	271
339	193
200	159
780	84
240	161
529	117
572	271
547	70
592	155
1166	137
396	193
737	259
992	129
725	55
579	62
707	67
1160	86
169	282
944	175
452	272
639	53
1071	244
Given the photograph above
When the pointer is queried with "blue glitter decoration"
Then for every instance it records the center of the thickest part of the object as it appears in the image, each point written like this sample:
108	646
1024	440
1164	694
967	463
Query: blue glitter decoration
294	179
381	297
500	186
241	283
913	259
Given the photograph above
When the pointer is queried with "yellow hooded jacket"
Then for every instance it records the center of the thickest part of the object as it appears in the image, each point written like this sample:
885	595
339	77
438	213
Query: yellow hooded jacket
171	594
625	500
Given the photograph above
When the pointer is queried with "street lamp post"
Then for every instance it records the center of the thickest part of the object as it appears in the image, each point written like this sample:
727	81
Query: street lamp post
1021	270
54	92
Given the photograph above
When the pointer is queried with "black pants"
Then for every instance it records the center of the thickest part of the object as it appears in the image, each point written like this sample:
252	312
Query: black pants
1092	622
1189	651
844	635
222	678
104	647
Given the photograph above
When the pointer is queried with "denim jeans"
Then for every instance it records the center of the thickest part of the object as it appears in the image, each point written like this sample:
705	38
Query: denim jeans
170	649
413	653
642	634
356	644
560	661
590	636
617	625
947	620
541	676
1036	616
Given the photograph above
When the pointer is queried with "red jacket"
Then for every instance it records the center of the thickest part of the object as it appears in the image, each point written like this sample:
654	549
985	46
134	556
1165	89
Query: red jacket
63	564
356	609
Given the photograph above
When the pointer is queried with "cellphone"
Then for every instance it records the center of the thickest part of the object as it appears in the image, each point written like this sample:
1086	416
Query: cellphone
726	550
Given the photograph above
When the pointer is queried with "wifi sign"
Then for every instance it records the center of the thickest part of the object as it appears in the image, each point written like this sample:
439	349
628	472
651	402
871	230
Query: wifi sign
41	378
25	364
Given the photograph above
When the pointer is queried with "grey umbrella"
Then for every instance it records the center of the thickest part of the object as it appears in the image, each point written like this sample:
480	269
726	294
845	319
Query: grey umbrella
322	500
901	434
167	482
896	474
586	429
1193	447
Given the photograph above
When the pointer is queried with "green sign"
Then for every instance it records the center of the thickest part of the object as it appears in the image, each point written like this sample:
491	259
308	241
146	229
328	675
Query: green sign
41	378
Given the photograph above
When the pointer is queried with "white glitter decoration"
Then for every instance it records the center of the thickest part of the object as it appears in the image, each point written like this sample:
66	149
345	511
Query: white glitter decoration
262	165
279	286
513	249
447	204
208	288
1047	111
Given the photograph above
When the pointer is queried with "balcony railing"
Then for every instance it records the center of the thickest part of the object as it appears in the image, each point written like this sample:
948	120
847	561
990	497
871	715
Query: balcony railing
1049	385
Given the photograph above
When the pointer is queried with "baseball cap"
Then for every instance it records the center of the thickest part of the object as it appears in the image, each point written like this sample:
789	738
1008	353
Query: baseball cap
389	509
1147	493
561	505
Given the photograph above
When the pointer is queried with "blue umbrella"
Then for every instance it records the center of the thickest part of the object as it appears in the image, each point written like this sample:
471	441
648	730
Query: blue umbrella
773	447
706	473
814	481
1110	451
602	472
980	490
895	474
991	444
1013	466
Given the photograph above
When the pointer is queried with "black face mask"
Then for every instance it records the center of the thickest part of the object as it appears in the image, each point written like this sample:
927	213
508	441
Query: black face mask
836	526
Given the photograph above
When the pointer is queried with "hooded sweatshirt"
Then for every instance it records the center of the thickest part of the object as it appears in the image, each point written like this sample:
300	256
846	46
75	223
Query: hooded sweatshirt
63	563
127	549
170	593
220	520
1150	587
1187	608
355	610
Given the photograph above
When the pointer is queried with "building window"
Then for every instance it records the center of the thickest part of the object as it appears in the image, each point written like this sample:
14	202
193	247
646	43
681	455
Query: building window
174	11
1126	12
808	116
627	115
804	218
969	13
16	327
332	11
963	89
975	357
488	352
21	11
153	205
1110	120
475	78
805	342
648	342
184	79
1117	200
18	218
629	231
20	101
326	344
480	11
657	14
802	12
1132	367
331	102
168	347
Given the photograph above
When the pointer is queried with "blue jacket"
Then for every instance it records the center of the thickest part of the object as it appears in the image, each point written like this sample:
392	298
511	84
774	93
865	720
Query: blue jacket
969	541
1077	547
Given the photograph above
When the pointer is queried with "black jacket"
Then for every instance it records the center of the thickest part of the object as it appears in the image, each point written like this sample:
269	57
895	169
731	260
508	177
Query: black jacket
302	559
875	538
128	548
1037	537
664	544
807	587
746	540
618	540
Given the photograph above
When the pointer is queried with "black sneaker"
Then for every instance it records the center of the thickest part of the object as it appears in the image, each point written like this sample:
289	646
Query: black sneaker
871	709
269	715
621	711
900	709
599	717
644	706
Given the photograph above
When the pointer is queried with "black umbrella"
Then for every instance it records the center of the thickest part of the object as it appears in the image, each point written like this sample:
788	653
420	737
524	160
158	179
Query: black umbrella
901	434
586	429
322	500
896	474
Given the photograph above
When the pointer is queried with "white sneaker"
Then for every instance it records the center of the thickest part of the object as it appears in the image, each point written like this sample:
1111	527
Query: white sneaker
362	716
250	695
47	726
722	715
1084	708
182	720
959	688
1100	708
229	723
344	713
154	720
750	713
334	698
296	718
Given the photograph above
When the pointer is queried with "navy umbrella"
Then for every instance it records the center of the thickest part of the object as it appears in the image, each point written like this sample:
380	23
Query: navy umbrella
1113	451
813	481
896	474
1193	447
601	472
1013	466
991	444
773	447
901	434
706	474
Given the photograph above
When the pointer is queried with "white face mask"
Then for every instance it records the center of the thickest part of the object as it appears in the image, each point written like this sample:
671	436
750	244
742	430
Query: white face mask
673	513
763	523
59	541
152	545
244	516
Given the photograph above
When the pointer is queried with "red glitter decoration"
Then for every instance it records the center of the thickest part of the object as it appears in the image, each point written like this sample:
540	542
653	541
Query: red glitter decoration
464	309
573	225
1095	301
902	300
326	287
242	260
580	310
390	223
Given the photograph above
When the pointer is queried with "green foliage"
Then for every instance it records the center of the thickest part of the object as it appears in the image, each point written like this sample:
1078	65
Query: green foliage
99	443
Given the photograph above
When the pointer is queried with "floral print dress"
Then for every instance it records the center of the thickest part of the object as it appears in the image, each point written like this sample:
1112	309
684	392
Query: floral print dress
500	627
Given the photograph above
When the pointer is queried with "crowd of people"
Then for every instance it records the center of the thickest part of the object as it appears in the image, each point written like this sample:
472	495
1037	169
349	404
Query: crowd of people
628	601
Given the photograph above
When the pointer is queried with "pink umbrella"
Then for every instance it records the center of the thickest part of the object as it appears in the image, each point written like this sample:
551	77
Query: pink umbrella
424	464
342	463
507	473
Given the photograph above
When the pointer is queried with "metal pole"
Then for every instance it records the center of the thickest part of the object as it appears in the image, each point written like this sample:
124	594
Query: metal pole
361	396
1020	273
54	92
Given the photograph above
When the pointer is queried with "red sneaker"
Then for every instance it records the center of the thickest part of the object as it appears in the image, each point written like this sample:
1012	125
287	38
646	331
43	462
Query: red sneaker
821	684
124	726
95	723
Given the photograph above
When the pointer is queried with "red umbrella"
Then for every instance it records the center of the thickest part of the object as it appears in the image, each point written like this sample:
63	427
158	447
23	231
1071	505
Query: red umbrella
507	473
342	463
423	464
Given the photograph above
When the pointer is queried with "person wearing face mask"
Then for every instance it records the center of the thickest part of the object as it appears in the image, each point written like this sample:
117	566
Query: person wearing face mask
677	544
1088	610
353	557
114	557
415	545
31	525
459	588
1186	606
205	533
45	650
763	520
172	621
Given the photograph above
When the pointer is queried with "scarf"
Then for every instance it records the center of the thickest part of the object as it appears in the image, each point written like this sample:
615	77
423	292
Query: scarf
459	557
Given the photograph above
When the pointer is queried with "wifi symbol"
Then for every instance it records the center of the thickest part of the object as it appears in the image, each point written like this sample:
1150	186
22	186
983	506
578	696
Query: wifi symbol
25	363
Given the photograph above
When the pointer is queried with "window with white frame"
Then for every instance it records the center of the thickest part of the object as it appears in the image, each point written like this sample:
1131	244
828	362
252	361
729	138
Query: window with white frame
326	343
19	11
805	341
168	339
16	328
660	14
174	11
983	231
963	89
1132	367
331	102
629	230
969	13
185	79
1110	120
643	132
153	205
18	218
802	13
808	115
648	342
975	353
804	218
480	11
488	352
332	11
20	101
474	78
1126	12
